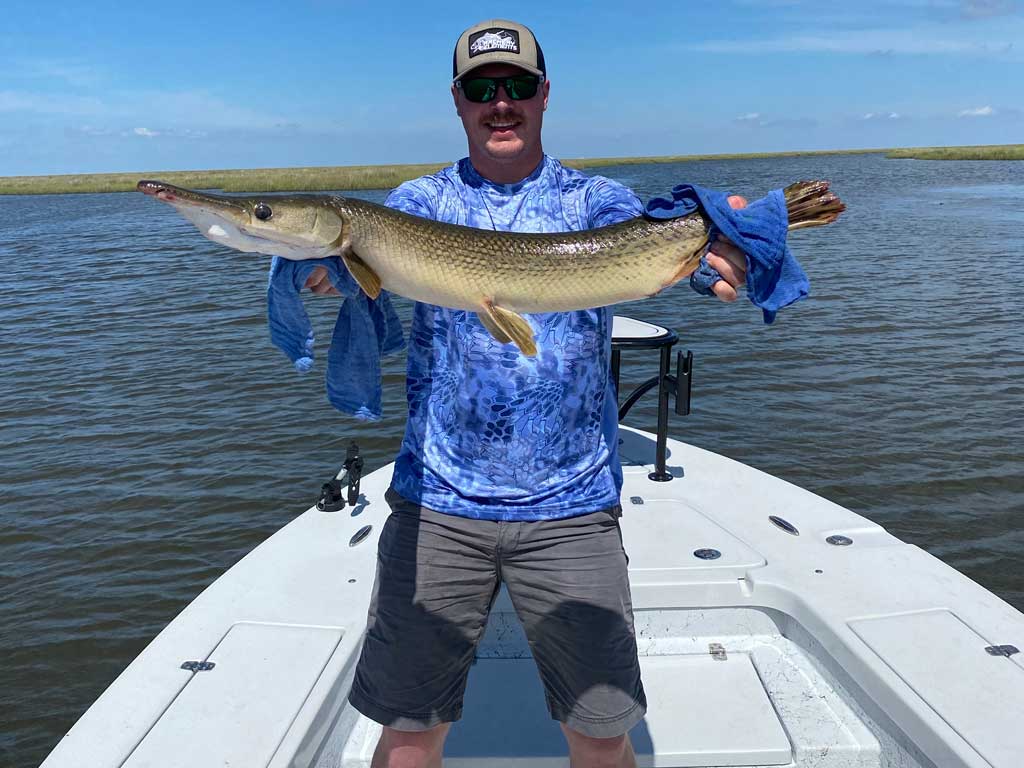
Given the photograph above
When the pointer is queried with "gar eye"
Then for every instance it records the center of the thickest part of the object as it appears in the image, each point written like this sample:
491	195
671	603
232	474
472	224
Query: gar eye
262	211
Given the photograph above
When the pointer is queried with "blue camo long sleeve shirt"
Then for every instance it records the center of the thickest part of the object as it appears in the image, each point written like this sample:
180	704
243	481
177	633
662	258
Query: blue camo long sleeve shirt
491	433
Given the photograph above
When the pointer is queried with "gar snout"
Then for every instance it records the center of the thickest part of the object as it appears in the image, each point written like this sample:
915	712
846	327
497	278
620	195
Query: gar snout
156	189
183	199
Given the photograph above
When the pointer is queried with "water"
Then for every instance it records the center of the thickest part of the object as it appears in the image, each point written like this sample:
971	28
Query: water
150	435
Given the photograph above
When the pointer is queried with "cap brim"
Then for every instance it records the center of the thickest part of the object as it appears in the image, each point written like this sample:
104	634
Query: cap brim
482	61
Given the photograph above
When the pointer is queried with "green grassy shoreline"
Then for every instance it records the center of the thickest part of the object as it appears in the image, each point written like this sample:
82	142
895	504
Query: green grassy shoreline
388	176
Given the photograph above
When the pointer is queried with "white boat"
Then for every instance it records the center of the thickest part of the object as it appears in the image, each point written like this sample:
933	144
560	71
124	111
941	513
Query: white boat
775	629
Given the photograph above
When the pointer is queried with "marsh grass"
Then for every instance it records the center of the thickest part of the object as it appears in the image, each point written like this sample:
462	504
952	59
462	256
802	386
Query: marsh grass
598	162
253	180
344	177
307	179
983	152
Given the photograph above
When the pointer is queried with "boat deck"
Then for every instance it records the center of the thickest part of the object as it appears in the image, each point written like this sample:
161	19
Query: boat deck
724	688
783	650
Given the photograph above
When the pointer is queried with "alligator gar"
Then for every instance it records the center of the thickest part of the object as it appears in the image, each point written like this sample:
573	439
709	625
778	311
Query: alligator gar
498	275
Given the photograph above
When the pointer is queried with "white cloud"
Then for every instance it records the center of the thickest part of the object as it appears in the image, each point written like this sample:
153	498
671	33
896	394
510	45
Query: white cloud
977	112
982	9
49	104
145	132
197	110
762	121
867	12
73	73
927	39
185	111
881	116
92	130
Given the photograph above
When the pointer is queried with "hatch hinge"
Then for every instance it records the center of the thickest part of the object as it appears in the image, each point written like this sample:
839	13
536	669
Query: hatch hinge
717	651
1001	650
198	666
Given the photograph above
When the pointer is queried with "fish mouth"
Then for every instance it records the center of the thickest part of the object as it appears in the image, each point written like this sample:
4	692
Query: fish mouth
178	196
218	217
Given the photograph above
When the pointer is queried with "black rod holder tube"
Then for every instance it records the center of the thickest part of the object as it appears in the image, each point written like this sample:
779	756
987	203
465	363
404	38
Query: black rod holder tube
684	382
659	474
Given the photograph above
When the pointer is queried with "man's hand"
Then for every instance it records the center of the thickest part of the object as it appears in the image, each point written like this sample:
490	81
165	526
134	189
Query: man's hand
319	283
728	260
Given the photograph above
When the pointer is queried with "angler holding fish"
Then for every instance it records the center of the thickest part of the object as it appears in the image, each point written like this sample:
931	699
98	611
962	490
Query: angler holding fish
508	471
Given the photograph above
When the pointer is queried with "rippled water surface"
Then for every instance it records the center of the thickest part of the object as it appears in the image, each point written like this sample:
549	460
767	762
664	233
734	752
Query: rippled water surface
150	435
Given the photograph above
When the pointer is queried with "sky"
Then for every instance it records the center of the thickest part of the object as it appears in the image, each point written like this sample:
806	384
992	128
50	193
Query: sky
128	87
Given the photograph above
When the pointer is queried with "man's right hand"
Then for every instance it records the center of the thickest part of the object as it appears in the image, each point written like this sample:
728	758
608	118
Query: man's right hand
319	283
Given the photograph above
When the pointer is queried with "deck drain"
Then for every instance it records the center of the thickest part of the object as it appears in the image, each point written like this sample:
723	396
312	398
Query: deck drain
839	541
784	524
707	554
359	535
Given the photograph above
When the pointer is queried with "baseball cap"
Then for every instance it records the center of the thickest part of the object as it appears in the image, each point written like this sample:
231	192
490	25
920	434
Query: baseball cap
497	41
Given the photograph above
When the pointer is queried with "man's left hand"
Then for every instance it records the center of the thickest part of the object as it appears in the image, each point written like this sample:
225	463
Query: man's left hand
728	260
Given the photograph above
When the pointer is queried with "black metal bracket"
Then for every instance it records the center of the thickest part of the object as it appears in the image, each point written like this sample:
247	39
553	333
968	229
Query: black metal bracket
331	497
681	385
353	472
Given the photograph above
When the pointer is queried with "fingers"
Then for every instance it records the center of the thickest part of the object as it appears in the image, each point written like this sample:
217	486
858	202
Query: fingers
724	291
731	264
728	260
315	277
320	284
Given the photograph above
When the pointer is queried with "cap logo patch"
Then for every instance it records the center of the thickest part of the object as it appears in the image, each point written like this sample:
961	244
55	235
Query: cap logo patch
494	39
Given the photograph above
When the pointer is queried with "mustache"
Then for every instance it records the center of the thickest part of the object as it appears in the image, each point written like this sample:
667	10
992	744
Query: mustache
502	115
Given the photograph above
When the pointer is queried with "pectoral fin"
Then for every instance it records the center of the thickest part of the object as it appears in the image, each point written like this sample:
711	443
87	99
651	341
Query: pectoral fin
506	326
363	274
499	335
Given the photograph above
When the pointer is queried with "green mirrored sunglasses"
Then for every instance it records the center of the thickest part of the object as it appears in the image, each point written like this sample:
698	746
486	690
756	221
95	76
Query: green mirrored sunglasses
483	89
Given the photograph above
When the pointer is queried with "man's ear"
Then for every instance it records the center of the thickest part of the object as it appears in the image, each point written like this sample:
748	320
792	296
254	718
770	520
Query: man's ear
455	98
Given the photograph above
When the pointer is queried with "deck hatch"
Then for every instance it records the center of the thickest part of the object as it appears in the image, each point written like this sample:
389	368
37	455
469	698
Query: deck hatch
663	539
945	662
238	712
702	711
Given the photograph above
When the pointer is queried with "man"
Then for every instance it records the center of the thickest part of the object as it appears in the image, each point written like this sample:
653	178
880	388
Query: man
508	471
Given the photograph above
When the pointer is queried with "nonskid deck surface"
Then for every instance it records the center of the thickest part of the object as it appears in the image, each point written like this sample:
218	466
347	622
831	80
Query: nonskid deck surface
828	650
724	688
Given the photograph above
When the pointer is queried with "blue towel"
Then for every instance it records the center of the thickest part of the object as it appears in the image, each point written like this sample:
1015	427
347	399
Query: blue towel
774	277
365	330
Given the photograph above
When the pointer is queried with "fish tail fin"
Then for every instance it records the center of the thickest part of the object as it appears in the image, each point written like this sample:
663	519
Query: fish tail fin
811	204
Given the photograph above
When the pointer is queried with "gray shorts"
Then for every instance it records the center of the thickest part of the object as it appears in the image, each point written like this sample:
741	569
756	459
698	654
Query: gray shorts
437	577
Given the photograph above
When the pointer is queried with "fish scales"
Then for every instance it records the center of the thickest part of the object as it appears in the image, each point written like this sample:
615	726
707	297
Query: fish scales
523	272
